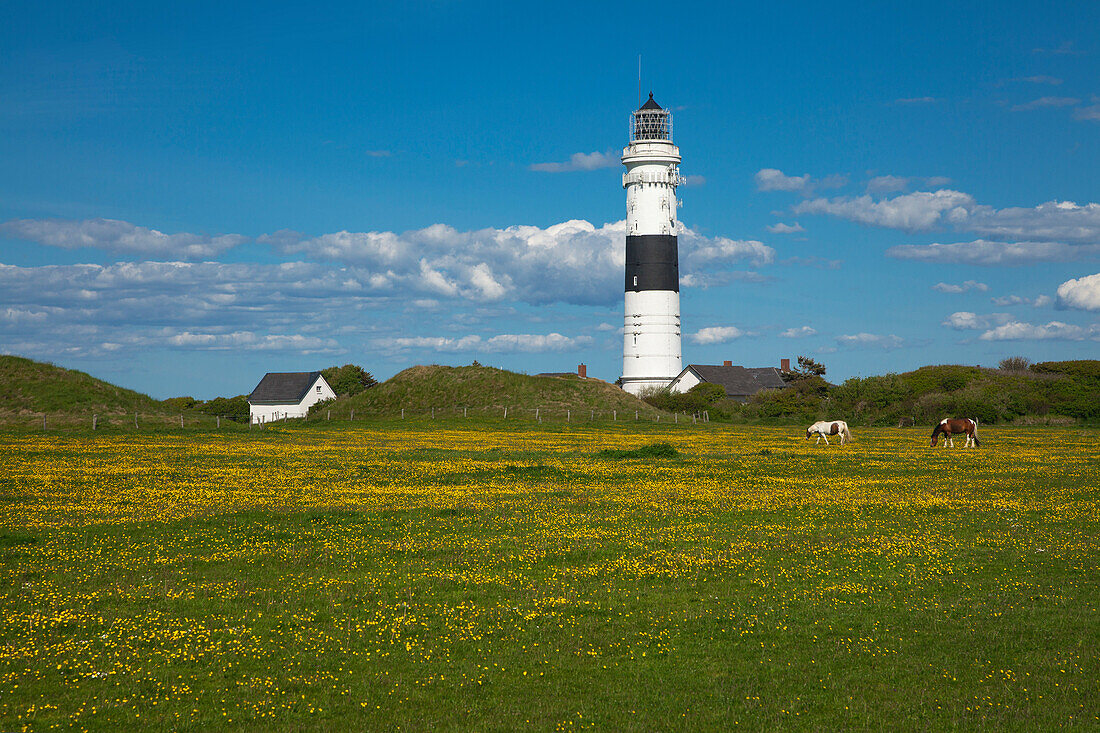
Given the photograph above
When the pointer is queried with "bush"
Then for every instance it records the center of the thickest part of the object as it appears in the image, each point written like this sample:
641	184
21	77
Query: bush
348	380
700	397
233	408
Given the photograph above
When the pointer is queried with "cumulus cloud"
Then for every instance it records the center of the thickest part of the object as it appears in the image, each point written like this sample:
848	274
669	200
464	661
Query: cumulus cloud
963	288
1042	102
799	332
1082	293
580	162
499	344
572	262
772	179
967	321
917	211
781	228
119	237
1053	331
716	335
1063	221
1038	301
887	341
983	252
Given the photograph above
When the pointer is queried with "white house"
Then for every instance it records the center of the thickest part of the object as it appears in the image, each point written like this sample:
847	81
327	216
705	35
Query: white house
287	394
739	382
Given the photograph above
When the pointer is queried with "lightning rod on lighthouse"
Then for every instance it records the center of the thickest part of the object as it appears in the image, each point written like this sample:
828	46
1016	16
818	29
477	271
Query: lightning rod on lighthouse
651	334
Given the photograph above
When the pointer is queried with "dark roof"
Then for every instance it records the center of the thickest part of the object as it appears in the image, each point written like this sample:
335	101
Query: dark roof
283	387
651	104
737	380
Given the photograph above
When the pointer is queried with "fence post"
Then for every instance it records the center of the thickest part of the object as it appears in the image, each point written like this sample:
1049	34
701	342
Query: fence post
635	415
353	413
219	420
676	418
329	415
463	412
43	421
592	417
433	413
135	421
614	415
505	413
706	415
94	420
537	414
567	414
658	417
693	418
181	421
402	413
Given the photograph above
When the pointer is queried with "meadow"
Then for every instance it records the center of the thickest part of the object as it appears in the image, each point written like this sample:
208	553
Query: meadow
483	575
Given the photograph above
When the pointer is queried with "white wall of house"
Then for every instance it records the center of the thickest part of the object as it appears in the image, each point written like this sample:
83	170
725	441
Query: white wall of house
269	412
684	381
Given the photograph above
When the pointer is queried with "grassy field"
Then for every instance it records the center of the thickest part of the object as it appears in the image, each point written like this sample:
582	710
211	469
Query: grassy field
495	576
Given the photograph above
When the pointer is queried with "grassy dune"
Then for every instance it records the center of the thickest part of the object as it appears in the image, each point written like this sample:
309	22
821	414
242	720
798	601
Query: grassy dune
486	391
424	575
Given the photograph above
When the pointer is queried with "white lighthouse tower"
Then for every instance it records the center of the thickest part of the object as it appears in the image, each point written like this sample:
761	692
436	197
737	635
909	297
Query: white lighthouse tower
651	334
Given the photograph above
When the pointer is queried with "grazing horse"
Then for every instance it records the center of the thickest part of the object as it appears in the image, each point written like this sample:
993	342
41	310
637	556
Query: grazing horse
955	426
825	428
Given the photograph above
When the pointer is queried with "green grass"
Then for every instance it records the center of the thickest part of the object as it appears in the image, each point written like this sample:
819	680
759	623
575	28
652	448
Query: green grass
32	386
460	575
653	450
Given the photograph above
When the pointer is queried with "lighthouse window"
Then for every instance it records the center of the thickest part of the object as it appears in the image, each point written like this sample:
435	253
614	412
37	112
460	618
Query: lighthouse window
635	281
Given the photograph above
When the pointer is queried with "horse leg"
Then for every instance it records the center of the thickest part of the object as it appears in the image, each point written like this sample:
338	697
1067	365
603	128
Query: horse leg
826	437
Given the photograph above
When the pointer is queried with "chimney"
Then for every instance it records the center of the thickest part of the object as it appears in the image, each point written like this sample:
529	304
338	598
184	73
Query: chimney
727	362
582	371
784	365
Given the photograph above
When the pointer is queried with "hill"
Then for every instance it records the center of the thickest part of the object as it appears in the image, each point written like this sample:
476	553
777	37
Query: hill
28	386
1058	391
486	391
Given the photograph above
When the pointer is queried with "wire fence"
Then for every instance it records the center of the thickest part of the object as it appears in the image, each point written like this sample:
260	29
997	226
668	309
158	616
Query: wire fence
138	422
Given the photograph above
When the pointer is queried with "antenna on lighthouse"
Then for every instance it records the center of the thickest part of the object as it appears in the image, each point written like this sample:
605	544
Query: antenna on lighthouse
639	80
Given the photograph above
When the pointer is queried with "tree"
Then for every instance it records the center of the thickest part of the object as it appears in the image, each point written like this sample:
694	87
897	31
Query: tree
348	380
806	368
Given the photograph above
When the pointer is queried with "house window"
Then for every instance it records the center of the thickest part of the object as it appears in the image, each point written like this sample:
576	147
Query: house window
318	389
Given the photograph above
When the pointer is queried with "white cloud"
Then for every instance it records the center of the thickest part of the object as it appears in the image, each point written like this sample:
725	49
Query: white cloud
781	228
799	332
572	262
964	287
967	321
1046	102
772	179
917	211
501	343
1092	112
983	252
716	335
694	180
1038	301
916	100
888	341
1053	331
1063	221
120	237
580	162
1082	293
1042	79
887	184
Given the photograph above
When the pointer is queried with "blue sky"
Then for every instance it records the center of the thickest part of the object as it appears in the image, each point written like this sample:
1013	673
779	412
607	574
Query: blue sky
195	194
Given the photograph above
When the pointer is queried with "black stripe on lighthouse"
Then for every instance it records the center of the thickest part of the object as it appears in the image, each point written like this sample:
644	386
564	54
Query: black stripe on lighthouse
652	263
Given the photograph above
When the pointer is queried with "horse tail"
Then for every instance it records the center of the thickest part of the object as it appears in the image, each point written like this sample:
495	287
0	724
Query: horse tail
977	443
847	433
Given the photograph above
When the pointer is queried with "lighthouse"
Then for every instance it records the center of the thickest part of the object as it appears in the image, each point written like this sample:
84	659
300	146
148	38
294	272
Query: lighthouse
651	332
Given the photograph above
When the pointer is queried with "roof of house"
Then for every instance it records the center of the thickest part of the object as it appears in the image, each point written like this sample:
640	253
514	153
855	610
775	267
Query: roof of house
739	381
283	387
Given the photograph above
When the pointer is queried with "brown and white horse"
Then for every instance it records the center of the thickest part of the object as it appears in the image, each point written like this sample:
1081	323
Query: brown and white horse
955	426
825	428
